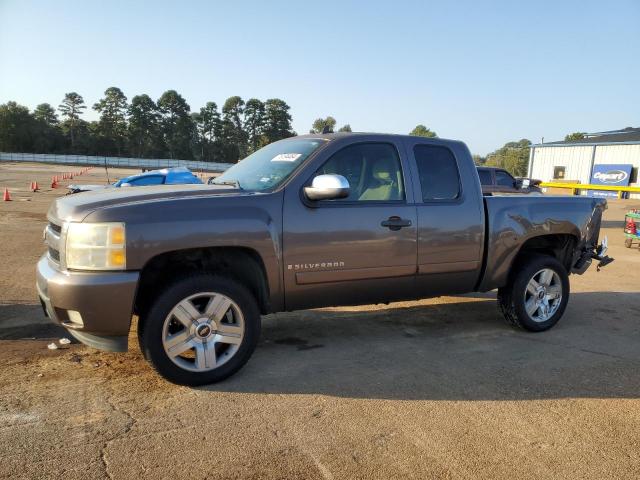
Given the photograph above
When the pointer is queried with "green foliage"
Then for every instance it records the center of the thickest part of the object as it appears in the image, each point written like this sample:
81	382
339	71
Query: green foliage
16	127
422	131
254	118
345	128
46	134
325	125
46	114
143	131
277	121
146	129
71	107
235	138
513	157
209	129
478	159
177	126
574	136
112	127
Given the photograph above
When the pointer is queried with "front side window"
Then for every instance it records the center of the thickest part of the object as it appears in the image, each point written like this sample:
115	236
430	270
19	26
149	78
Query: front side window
268	167
372	170
504	179
438	171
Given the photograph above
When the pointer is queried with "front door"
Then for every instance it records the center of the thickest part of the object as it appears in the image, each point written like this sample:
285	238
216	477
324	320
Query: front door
357	250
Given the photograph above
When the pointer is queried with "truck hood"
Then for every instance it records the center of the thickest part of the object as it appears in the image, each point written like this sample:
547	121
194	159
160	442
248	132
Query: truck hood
76	207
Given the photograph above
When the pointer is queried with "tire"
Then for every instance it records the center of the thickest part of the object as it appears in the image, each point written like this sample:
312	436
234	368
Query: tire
517	296
209	342
628	242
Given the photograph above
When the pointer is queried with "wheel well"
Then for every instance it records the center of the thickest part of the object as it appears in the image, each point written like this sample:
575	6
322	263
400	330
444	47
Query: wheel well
242	264
560	246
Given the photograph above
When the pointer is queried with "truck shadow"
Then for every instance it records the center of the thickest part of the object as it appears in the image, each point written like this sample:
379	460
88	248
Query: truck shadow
448	351
21	321
442	349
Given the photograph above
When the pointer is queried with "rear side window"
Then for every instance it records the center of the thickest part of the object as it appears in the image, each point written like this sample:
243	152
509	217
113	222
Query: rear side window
150	180
504	179
485	177
438	171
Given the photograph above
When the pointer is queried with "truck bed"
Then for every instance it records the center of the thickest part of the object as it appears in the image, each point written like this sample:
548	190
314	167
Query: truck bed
512	220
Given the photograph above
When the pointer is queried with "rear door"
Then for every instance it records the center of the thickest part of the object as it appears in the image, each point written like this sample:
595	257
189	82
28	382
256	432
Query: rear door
356	250
450	217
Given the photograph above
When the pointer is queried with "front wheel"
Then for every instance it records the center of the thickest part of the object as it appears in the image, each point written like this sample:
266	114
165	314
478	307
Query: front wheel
537	294
201	330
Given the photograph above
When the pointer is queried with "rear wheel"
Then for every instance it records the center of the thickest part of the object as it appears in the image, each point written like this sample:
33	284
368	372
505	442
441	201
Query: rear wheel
537	294
200	330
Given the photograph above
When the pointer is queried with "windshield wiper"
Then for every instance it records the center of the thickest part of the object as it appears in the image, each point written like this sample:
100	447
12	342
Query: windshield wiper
233	183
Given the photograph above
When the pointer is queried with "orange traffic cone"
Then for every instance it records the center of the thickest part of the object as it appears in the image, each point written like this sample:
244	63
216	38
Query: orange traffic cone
35	186
6	197
54	182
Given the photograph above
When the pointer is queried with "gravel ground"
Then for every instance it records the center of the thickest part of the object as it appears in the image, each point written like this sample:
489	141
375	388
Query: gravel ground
439	388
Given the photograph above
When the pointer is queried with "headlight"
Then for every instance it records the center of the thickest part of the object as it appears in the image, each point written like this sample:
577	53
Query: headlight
96	246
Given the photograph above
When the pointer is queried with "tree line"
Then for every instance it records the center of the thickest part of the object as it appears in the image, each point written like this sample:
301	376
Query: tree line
167	128
514	156
144	128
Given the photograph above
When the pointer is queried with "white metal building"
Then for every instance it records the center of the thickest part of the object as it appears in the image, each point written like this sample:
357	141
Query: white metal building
575	160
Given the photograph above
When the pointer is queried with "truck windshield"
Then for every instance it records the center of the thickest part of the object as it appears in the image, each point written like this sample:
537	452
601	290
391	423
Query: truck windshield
271	165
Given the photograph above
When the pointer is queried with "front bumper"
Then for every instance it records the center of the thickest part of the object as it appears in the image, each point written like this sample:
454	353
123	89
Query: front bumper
104	301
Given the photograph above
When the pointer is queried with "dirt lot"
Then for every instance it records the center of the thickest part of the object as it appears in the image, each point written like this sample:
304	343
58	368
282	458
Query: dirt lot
439	388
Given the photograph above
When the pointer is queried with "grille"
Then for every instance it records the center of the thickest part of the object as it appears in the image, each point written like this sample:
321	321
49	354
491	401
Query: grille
54	254
52	239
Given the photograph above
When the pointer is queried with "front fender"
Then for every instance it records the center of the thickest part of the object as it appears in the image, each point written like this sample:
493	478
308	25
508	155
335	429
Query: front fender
251	221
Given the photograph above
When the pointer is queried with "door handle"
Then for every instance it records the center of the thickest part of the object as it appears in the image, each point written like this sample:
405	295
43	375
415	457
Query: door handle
395	223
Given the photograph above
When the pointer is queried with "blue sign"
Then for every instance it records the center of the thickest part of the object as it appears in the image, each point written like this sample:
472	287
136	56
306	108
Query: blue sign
610	175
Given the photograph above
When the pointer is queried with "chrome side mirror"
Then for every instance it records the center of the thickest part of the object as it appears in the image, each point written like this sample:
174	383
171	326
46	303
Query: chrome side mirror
327	187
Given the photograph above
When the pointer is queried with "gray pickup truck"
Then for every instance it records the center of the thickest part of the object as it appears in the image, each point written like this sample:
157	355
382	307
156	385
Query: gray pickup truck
310	221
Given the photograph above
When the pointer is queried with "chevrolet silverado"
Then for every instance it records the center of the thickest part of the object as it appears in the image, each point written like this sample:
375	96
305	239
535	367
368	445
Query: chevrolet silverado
305	222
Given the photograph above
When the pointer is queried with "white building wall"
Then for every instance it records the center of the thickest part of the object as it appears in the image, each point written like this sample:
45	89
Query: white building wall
606	154
577	160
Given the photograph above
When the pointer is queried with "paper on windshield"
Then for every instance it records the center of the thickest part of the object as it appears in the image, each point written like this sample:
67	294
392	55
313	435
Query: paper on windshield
286	157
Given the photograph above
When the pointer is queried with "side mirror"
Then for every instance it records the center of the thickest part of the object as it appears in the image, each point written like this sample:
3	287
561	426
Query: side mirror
327	187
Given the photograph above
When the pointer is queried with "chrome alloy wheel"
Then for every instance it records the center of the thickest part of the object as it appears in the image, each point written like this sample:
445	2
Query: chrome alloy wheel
543	295
203	331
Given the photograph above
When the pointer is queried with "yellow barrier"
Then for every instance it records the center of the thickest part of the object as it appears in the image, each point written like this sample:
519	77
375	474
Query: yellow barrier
587	186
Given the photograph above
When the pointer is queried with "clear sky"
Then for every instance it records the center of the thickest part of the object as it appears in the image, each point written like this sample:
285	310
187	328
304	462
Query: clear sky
480	71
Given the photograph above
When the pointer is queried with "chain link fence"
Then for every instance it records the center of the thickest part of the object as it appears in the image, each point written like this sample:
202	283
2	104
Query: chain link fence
89	160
